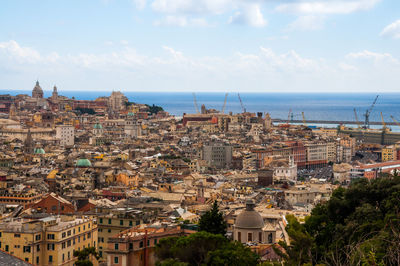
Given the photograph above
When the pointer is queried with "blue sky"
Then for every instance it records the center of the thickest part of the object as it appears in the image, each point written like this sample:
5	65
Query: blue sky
201	45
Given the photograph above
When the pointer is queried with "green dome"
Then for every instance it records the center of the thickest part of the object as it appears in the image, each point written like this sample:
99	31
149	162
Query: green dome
83	163
97	126
39	151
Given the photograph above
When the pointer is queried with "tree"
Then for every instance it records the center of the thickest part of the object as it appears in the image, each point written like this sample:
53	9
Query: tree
213	221
203	248
234	254
84	256
358	225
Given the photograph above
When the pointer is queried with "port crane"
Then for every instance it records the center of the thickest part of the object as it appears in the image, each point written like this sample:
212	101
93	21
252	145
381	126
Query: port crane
368	112
304	119
355	114
195	103
383	123
241	104
223	107
394	120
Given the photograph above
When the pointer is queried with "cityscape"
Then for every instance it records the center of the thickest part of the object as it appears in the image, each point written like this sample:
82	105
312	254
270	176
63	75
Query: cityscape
208	132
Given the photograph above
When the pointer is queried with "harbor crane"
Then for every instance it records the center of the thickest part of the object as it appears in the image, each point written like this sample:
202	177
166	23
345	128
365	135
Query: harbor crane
223	107
383	123
288	117
395	120
241	104
368	112
304	119
195	103
355	114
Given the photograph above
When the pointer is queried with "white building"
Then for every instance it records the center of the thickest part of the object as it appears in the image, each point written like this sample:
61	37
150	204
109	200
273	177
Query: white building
66	135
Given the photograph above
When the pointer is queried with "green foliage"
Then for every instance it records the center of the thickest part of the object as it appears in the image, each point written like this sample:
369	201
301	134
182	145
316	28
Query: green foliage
84	256
89	111
154	109
203	248
233	253
358	225
213	221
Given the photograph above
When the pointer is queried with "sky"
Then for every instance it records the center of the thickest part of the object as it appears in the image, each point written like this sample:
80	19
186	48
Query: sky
201	45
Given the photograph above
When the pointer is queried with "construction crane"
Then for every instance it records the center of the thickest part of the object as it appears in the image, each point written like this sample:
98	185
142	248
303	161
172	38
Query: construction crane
304	119
355	114
383	122
394	120
368	112
241	104
195	103
223	107
288	117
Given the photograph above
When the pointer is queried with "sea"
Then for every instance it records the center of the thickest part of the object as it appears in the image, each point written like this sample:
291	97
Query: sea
316	106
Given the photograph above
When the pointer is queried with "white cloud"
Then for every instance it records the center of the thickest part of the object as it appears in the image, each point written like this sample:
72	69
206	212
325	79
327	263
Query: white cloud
392	30
251	15
191	6
326	7
181	21
373	56
309	22
256	71
19	53
140	4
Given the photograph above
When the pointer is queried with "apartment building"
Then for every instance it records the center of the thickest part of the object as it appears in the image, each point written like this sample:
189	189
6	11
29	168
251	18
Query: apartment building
48	241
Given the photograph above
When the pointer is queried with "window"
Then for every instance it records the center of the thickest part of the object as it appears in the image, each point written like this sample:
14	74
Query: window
88	225
69	233
130	224
63	235
26	259
27	249
101	220
38	248
109	230
50	246
50	258
79	229
69	243
109	221
116	260
88	235
148	242
131	246
141	244
249	237
137	222
240	236
37	260
155	241
121	222
53	208
74	231
17	235
260	237
37	237
63	257
84	228
7	248
63	245
116	246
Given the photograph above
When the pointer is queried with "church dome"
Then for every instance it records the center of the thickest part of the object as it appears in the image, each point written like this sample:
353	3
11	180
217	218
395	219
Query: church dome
98	126
249	218
83	163
39	151
37	91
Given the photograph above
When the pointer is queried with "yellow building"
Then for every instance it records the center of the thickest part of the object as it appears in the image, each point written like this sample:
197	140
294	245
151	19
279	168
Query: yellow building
388	154
48	241
117	221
